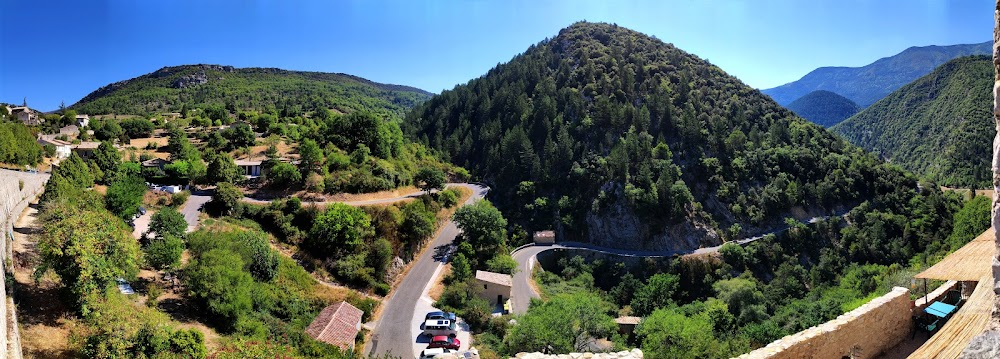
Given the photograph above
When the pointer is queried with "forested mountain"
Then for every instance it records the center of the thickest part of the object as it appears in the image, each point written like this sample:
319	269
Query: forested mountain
824	108
867	84
170	89
939	126
614	137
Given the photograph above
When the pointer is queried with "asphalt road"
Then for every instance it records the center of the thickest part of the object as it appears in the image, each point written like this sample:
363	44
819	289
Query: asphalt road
193	206
394	333
522	292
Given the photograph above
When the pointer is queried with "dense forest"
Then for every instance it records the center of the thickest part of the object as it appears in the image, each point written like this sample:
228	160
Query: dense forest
291	93
609	135
824	108
867	84
940	126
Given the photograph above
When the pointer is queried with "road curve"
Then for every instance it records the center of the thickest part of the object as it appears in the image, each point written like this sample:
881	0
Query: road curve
523	292
394	333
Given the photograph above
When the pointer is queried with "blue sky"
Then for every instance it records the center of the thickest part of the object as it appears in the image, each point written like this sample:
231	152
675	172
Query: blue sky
56	51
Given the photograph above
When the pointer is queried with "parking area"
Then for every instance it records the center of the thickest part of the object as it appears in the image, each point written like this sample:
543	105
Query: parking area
424	306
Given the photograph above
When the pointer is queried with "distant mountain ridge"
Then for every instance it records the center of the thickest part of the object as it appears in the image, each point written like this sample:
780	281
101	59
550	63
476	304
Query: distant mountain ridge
867	84
824	108
939	126
169	88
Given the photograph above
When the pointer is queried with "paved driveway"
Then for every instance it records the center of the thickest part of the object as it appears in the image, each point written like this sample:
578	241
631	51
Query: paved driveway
192	207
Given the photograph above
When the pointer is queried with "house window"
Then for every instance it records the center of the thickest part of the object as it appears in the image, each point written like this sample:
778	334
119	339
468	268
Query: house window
484	286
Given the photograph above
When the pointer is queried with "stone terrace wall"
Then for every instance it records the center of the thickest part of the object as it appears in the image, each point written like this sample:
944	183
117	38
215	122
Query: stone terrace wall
17	190
865	332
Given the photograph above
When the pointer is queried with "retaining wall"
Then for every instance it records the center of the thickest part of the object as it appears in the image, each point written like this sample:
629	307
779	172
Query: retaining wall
17	190
865	332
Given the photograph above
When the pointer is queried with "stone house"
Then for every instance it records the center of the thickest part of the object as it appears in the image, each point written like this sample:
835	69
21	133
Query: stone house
496	286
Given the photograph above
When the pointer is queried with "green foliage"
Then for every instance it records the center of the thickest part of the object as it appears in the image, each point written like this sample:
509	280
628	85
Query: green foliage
87	248
17	144
448	198
658	292
502	263
168	221
824	108
483	226
669	334
222	168
164	252
867	84
283	175
125	196
339	230
226	199
121	329
935	126
137	127
217	280
743	298
566	323
287	92
461	269
428	179
601	117
970	221
239	135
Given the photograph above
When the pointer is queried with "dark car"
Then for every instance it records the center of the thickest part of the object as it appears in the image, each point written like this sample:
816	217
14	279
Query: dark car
441	315
442	341
142	211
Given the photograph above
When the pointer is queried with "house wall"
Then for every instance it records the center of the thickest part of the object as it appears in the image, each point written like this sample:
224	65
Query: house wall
492	290
865	332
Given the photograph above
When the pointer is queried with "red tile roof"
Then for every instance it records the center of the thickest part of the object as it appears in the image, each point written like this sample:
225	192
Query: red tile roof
337	324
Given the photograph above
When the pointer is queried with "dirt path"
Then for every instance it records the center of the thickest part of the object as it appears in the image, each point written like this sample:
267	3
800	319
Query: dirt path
46	322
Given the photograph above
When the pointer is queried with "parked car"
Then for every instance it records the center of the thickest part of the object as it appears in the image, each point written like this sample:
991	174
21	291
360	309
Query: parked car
436	327
124	287
142	211
430	353
442	341
441	315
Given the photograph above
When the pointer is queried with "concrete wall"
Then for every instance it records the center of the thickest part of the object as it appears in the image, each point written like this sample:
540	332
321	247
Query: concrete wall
865	332
13	201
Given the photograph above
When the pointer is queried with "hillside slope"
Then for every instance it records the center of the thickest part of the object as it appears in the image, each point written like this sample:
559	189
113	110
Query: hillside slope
824	108
939	126
616	138
867	84
260	89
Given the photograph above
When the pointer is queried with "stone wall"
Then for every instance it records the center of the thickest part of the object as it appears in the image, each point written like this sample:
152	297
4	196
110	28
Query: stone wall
17	190
633	354
865	332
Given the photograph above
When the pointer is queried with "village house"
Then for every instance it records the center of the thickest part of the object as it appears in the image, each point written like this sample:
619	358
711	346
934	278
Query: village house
82	120
85	149
496	286
250	168
157	163
26	115
63	148
337	324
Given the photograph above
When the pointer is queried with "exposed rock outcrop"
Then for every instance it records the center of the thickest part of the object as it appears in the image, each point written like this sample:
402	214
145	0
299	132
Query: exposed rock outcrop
619	226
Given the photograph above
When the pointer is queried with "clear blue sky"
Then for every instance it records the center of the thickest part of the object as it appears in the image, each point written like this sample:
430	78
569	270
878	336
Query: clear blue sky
62	50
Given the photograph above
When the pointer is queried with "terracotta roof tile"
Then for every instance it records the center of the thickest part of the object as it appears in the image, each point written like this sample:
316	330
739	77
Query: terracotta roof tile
337	324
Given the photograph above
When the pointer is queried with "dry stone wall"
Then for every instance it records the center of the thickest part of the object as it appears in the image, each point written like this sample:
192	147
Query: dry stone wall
865	332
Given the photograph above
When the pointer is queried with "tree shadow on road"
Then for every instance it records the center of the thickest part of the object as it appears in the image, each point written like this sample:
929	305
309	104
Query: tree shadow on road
443	252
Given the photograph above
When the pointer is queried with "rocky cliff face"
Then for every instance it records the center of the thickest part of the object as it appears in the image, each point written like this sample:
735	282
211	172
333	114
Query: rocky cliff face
618	226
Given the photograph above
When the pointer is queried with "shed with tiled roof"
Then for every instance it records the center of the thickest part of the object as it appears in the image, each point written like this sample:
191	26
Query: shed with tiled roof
337	324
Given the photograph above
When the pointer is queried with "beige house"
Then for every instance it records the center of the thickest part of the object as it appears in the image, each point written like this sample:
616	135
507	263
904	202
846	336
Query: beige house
82	120
26	115
85	149
62	147
250	168
545	237
496	286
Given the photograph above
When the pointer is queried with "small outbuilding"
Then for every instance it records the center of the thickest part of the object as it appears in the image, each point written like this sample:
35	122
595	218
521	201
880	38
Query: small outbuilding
337	324
496	286
86	149
250	168
545	237
626	325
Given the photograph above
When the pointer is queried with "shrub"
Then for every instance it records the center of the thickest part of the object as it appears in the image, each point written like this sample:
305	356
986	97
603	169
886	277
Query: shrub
165	252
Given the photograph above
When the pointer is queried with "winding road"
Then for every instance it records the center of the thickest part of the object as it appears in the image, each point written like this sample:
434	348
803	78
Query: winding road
395	332
523	291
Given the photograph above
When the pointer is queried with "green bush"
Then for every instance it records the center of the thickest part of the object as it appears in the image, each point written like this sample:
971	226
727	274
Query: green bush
164	252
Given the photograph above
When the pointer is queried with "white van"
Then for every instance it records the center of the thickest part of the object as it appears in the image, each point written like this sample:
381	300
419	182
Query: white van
430	353
434	327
